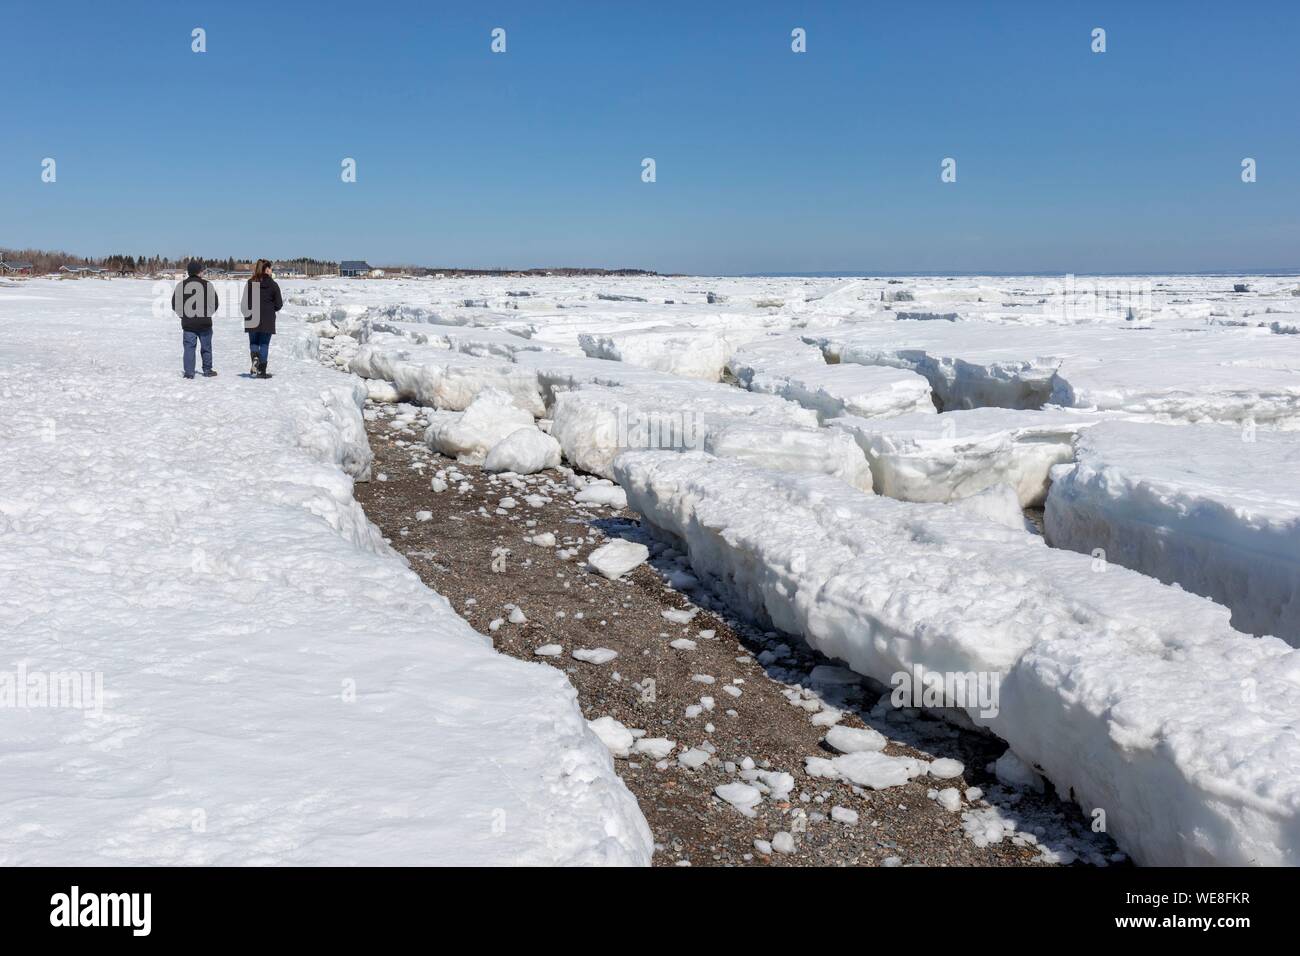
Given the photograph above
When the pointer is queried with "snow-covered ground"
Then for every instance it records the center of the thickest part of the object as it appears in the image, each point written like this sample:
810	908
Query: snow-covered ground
765	425
277	686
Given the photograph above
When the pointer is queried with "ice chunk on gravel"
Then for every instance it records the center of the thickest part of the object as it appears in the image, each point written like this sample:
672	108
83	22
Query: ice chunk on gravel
617	557
740	795
848	740
680	615
778	782
594	655
467	436
549	650
949	798
607	496
868	769
946	767
693	758
656	748
826	717
683	644
844	815
783	842
613	734
524	451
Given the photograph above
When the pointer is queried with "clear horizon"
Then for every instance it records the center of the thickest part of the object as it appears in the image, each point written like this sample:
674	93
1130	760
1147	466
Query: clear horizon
767	161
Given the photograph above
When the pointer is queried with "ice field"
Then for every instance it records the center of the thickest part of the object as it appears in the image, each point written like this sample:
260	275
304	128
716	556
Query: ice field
845	460
277	685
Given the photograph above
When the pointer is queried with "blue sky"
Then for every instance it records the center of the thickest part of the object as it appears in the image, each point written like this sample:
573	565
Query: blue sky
766	160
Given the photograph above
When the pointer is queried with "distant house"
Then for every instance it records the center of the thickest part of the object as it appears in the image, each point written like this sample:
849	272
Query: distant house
80	271
16	268
354	267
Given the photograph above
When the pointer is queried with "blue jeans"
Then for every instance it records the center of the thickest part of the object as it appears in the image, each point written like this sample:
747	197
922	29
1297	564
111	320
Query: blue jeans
204	341
260	342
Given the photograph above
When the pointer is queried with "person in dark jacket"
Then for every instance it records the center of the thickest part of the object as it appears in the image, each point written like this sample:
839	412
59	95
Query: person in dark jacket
195	301
262	300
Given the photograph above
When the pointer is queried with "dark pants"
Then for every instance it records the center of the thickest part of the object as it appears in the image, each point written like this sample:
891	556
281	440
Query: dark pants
204	342
260	342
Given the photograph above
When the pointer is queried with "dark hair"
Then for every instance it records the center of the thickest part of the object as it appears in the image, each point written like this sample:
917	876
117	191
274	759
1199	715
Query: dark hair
194	267
262	267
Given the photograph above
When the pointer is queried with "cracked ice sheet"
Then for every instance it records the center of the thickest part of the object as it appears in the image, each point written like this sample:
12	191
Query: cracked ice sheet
1197	505
1133	697
962	453
690	353
594	423
197	543
1179	373
441	378
501	343
792	369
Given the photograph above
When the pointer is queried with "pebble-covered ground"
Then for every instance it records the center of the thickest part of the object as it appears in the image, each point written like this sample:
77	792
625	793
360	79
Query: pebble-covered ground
710	701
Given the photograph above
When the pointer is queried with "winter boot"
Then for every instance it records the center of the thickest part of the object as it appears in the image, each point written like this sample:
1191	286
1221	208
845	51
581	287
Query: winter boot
254	358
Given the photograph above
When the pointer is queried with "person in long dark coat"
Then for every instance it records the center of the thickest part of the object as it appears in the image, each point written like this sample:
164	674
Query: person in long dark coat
195	302
262	300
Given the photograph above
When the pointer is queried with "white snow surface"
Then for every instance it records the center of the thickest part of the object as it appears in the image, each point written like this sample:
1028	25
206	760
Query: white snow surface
270	668
1209	507
1133	696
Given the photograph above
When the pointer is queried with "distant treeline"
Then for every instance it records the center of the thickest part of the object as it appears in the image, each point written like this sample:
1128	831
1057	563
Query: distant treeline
557	271
44	260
